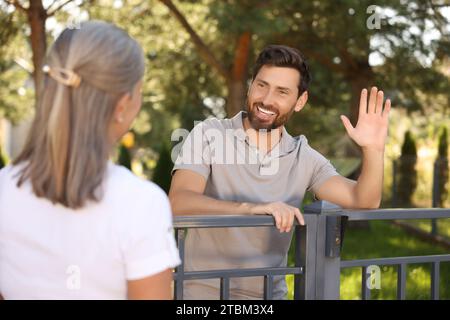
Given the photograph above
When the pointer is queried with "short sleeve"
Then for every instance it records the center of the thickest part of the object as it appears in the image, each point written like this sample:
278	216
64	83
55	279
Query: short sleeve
195	153
321	169
149	246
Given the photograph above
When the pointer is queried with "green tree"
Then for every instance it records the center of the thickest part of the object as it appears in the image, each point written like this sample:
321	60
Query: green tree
235	48
407	181
321	30
162	173
329	42
338	55
36	15
199	54
15	99
442	168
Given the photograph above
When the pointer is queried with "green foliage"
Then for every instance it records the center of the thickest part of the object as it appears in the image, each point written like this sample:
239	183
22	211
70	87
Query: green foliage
235	17
124	157
162	173
16	94
407	181
178	81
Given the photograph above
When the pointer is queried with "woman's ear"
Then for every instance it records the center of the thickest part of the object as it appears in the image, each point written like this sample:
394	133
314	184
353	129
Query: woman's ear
121	107
301	101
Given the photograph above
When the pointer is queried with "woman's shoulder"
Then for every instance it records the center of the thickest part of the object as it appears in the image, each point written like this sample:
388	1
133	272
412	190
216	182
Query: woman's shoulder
121	179
134	198
10	172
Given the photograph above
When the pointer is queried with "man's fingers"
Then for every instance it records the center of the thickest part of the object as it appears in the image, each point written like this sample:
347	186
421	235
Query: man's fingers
277	217
372	100
281	221
291	221
387	108
347	124
299	216
286	218
363	102
379	105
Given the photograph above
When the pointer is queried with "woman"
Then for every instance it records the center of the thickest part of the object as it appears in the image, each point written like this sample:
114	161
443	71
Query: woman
72	224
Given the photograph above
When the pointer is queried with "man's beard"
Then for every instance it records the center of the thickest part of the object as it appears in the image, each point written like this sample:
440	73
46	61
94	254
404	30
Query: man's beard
256	124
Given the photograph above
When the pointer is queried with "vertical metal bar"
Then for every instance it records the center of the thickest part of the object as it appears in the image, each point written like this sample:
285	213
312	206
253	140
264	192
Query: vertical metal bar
224	288
435	278
401	281
306	242
365	291
180	236
434	227
268	287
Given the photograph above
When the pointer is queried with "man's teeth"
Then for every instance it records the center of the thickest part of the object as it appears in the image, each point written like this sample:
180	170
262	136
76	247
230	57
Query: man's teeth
266	111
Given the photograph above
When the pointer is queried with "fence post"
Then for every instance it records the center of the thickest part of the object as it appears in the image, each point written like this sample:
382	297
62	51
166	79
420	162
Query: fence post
305	257
329	235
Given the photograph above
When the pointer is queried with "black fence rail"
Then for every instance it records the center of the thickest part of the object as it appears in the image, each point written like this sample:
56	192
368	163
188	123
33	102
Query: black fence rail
318	247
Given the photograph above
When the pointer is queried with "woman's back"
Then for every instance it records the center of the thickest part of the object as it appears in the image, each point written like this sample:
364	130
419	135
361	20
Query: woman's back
72	224
49	251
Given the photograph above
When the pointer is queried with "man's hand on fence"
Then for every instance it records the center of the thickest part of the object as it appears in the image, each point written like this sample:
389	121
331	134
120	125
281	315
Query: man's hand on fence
284	214
372	127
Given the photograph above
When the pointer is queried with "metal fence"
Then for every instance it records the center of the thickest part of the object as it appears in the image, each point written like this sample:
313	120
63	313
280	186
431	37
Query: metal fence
317	251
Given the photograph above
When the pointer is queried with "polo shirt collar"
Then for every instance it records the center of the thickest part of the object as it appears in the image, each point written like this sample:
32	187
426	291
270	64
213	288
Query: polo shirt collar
286	144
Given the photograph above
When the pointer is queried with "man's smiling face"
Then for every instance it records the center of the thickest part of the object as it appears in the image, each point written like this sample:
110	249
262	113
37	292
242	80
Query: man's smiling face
273	97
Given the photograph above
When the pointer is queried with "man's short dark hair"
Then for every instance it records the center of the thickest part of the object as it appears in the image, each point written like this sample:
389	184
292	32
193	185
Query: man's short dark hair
284	56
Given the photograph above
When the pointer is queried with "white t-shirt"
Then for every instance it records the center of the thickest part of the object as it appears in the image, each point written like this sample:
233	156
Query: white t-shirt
51	252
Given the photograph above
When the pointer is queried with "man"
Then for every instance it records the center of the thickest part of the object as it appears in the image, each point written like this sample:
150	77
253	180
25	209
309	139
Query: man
206	186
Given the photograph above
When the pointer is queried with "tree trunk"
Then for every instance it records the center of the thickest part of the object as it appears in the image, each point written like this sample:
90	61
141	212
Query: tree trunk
237	87
37	16
236	97
236	76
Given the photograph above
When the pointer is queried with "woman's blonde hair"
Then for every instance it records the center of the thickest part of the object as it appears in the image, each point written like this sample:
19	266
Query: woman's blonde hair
67	149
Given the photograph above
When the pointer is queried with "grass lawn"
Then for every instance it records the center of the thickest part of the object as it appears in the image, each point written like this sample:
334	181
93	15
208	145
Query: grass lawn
443	226
385	240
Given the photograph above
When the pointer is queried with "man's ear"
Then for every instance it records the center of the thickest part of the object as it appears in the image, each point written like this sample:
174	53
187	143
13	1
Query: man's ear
121	107
301	101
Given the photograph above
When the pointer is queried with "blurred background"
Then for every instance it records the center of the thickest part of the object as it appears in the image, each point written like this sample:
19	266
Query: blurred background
199	57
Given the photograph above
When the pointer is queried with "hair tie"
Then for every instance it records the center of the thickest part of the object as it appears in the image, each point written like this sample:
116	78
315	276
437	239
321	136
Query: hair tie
64	76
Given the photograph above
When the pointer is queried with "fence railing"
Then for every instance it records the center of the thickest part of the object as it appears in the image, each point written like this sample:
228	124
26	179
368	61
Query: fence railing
318	245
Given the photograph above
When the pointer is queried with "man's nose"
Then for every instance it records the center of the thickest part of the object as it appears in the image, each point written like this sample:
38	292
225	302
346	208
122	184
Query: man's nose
268	98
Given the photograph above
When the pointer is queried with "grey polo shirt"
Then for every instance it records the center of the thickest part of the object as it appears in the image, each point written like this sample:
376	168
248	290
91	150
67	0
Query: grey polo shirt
220	151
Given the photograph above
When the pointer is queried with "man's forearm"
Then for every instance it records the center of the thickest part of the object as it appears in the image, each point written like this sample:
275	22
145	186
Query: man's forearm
188	202
368	189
